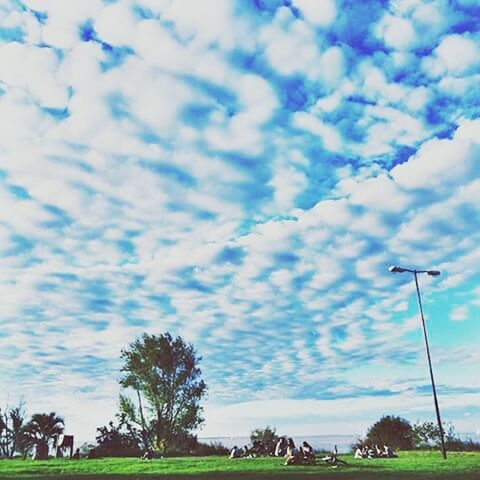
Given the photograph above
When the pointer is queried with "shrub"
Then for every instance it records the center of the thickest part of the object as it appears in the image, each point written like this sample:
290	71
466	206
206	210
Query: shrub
393	431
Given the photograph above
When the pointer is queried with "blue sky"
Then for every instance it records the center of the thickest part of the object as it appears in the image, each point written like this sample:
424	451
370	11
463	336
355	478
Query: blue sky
242	173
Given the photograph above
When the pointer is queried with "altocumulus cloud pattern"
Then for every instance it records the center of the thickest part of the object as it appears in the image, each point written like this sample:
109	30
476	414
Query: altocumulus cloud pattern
242	173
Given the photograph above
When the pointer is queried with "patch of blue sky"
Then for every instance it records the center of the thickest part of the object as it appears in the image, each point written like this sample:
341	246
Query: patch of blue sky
91	364
20	245
129	306
65	277
150	137
60	220
19	5
56	113
19	192
135	281
96	287
11	34
468	23
126	247
347	118
321	180
196	115
31	312
285	259
143	13
87	32
248	61
163	303
220	94
114	56
204	215
98	305
46	287
195	285
170	171
356	28
41	16
196	212
259	10
233	255
439	112
251	195
296	93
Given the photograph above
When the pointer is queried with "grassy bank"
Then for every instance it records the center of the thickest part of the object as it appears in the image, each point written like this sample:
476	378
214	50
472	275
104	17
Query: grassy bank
410	465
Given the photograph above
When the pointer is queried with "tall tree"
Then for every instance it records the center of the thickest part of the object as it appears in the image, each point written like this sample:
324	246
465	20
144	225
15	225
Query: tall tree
164	374
11	431
42	428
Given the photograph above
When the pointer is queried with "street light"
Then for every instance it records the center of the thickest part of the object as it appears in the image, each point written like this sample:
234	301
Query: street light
433	273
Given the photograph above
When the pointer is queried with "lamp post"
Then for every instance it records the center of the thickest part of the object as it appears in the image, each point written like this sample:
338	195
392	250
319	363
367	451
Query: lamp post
433	273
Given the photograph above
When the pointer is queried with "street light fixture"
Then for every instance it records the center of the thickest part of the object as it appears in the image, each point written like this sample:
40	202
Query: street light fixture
433	273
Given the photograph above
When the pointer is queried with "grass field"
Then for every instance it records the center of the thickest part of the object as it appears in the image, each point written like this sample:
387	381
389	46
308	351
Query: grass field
410	465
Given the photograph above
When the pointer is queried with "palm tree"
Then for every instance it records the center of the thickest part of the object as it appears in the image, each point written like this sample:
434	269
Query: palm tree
42	428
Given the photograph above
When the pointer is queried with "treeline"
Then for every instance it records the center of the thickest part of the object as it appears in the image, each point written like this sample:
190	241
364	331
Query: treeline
399	433
158	409
20	434
120	438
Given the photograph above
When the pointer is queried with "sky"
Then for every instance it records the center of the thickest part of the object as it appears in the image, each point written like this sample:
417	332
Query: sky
242	173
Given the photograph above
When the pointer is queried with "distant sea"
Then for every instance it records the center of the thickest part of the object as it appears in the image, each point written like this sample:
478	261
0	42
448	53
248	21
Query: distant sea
318	442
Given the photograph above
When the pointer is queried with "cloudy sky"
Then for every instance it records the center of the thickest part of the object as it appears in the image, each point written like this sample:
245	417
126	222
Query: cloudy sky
242	173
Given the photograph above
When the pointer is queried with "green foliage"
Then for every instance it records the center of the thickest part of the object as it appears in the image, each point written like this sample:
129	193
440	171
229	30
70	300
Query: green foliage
393	431
120	440
427	435
164	376
41	428
267	436
12	438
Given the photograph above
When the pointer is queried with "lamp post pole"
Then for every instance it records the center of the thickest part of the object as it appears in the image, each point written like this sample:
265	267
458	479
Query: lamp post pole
435	399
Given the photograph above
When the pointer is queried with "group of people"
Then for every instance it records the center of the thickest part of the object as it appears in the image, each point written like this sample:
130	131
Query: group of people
303	455
283	448
257	449
368	451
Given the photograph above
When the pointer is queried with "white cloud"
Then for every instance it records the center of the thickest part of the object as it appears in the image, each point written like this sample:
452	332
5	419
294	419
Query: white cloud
439	163
330	137
459	314
397	32
320	14
456	55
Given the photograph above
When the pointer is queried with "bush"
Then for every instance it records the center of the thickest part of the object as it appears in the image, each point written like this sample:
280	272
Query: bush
199	450
120	440
266	436
393	431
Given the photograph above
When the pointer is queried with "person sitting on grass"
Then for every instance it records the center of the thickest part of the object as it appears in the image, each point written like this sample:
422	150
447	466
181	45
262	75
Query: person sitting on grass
358	453
76	455
148	455
281	447
333	459
308	456
292	455
235	452
388	452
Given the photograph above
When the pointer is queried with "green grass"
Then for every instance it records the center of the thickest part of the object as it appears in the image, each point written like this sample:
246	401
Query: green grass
410	465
